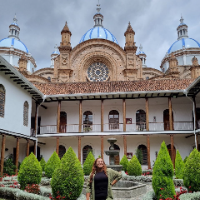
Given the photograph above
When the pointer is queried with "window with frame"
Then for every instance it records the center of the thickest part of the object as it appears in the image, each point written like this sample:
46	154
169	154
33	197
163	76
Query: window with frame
25	114
87	121
113	118
2	100
141	120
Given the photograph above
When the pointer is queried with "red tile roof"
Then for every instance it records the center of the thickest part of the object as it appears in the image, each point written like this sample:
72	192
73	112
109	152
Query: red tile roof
115	86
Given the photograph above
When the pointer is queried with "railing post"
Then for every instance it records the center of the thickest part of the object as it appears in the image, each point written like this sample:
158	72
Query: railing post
3	152
80	116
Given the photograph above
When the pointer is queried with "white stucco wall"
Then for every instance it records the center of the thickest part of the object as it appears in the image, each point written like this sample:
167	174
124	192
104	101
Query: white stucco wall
14	103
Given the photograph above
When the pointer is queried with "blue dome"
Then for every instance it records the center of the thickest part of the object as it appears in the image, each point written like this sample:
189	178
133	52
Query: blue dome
13	42
184	42
56	52
100	33
141	52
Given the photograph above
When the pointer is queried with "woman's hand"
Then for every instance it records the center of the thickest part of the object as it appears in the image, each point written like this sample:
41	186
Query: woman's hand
113	183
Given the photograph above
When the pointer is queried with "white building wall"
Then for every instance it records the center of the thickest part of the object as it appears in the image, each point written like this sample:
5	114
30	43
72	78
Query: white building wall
14	103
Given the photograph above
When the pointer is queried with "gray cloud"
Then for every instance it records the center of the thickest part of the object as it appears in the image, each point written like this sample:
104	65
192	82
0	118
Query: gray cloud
154	21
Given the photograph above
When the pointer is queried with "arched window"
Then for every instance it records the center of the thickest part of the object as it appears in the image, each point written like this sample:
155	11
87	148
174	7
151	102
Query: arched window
140	120
113	118
143	149
62	151
170	151
86	151
87	121
2	100
166	119
25	114
63	122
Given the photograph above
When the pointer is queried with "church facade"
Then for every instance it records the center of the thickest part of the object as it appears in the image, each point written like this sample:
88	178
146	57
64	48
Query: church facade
99	90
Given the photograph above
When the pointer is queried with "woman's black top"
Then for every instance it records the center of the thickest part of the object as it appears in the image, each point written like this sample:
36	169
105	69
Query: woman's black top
100	185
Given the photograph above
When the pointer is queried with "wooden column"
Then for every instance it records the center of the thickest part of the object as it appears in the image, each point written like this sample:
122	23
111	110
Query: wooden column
57	145
27	147
79	148
36	118
102	116
195	116
17	155
125	144
147	114
3	152
124	115
58	116
80	116
148	152
102	147
172	149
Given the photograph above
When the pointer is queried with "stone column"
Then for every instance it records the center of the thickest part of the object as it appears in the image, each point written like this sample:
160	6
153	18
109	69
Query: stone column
195	124
172	149
36	118
3	152
125	144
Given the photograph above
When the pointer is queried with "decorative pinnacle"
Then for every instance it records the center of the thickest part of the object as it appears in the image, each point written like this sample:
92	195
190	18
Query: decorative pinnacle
15	19
181	20
140	47
98	7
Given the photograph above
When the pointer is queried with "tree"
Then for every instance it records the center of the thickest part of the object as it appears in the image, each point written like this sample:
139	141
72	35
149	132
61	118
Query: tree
124	162
43	164
30	171
87	166
191	173
179	166
68	178
52	164
163	171
134	167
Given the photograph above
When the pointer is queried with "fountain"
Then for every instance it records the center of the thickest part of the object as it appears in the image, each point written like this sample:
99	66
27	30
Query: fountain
112	153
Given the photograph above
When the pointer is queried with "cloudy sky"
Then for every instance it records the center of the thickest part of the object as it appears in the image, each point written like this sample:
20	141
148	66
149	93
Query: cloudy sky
154	22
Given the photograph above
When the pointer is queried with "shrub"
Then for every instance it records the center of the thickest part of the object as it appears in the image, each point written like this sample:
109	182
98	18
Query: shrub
134	168
191	176
124	162
9	167
162	180
30	171
139	155
179	166
52	164
185	159
68	178
87	166
43	164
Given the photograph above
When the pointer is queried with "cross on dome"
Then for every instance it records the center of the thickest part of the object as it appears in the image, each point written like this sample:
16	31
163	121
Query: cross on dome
98	7
15	19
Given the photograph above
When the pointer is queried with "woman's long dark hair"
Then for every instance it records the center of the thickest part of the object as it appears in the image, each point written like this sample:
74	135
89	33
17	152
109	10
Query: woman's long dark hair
95	169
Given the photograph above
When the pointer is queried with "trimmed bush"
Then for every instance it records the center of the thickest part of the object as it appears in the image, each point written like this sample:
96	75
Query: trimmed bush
68	178
9	167
87	166
179	166
163	172
52	164
185	159
124	162
43	164
134	168
30	171
191	176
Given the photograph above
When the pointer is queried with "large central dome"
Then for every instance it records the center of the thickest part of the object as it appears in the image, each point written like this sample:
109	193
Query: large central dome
98	31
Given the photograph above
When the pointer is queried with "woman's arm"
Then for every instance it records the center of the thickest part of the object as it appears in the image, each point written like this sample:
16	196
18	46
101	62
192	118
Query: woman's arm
87	196
116	176
88	189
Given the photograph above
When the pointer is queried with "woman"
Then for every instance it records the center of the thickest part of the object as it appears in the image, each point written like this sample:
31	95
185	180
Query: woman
101	180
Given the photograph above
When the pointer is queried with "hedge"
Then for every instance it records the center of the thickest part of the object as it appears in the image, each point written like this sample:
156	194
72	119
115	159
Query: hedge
124	163
190	196
87	166
179	166
134	167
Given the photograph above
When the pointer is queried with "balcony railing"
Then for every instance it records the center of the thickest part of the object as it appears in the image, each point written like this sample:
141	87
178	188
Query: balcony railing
117	127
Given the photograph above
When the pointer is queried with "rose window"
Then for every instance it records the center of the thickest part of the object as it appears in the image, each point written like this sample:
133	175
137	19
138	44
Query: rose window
98	72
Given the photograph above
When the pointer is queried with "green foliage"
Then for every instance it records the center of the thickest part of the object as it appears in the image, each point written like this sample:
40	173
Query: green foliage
30	171
87	166
134	168
163	171
52	164
191	176
124	162
185	159
139	155
179	166
68	178
43	164
9	167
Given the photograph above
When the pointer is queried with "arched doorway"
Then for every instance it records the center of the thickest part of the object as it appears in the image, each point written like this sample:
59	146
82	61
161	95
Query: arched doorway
116	158
86	151
170	151
87	121
141	120
143	149
62	151
166	119
113	119
63	122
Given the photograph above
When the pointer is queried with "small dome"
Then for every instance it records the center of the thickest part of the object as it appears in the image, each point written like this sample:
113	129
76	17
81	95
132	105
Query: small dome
183	43
100	33
13	42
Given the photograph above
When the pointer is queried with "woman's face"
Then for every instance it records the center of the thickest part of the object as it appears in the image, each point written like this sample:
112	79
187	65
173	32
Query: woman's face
99	163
